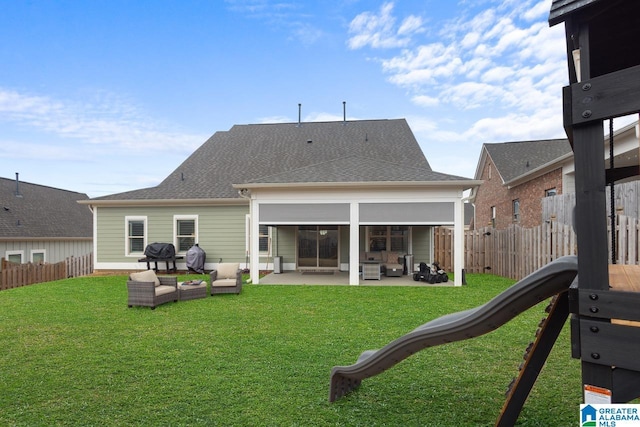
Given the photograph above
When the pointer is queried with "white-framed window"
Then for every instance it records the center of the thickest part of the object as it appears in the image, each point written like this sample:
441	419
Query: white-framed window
14	256
516	210
388	238
550	192
265	239
264	234
135	235
38	256
185	232
493	216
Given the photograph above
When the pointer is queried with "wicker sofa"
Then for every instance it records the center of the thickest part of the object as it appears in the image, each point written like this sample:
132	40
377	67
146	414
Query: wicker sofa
226	278
148	290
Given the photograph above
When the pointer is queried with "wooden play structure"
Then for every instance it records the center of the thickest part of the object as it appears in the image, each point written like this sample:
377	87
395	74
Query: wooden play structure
604	76
603	299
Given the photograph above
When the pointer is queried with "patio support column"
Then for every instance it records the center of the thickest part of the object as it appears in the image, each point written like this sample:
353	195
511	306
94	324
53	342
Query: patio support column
254	242
354	243
458	243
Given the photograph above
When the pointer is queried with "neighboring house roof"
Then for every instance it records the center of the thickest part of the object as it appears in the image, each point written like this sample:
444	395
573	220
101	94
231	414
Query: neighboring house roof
515	160
32	211
294	153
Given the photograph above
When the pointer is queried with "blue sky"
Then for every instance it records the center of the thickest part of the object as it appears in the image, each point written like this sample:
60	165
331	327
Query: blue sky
107	96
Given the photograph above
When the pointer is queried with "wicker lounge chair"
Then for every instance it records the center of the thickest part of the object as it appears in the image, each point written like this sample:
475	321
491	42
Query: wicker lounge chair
148	290
226	279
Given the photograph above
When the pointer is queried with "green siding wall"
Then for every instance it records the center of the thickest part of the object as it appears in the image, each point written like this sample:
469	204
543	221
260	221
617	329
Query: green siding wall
344	244
422	244
221	230
284	243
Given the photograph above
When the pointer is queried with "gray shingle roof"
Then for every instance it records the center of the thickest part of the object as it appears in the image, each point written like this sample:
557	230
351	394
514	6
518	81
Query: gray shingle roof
292	152
357	169
515	159
42	212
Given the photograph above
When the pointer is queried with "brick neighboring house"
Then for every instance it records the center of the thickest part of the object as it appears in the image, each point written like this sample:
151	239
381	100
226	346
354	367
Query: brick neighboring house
516	176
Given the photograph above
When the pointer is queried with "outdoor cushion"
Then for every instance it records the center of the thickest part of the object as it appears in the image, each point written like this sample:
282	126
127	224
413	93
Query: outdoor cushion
164	289
393	266
225	282
227	270
145	276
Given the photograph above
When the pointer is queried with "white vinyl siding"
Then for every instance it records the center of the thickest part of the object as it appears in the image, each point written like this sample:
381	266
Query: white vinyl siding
422	243
54	250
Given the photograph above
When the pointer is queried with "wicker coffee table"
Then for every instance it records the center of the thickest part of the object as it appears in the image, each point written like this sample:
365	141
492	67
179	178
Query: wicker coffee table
190	290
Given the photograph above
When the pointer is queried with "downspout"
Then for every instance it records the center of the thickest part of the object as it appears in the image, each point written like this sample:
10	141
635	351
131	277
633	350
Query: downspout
246	194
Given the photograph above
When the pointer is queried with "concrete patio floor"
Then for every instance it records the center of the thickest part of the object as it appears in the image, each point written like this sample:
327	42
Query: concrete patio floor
337	279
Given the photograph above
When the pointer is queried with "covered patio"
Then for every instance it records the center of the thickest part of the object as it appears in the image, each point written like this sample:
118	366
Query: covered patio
316	207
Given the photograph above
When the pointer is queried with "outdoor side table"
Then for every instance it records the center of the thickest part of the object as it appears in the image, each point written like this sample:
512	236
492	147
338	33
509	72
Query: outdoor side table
371	270
192	291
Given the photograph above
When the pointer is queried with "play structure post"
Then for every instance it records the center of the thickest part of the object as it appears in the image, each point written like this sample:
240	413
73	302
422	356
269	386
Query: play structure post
604	74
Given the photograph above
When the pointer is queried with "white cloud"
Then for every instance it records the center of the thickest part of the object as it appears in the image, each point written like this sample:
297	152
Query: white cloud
306	33
540	10
469	95
274	119
425	101
105	120
291	17
411	24
497	74
379	30
502	60
469	40
326	117
491	75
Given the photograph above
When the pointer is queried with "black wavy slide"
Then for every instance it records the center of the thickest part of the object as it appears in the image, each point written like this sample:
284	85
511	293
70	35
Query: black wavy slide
554	278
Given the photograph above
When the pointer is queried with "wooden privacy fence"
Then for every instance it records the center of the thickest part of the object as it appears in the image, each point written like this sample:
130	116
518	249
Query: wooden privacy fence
16	275
516	252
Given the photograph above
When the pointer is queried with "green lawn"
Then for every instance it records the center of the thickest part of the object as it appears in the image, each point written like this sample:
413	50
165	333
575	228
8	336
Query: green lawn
73	353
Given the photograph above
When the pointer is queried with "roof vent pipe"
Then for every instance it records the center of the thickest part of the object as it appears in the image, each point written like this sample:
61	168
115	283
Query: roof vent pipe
344	112
18	185
299	113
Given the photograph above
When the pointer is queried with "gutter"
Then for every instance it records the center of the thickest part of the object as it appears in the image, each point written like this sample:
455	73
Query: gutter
165	202
464	184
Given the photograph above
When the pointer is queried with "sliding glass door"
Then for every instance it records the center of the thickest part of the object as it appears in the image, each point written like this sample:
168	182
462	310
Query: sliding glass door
318	246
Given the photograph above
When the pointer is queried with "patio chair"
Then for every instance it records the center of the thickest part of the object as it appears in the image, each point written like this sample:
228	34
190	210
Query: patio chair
148	290
226	278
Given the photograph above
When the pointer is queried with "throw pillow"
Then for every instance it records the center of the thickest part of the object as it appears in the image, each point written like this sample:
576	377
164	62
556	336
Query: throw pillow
392	257
145	276
227	270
